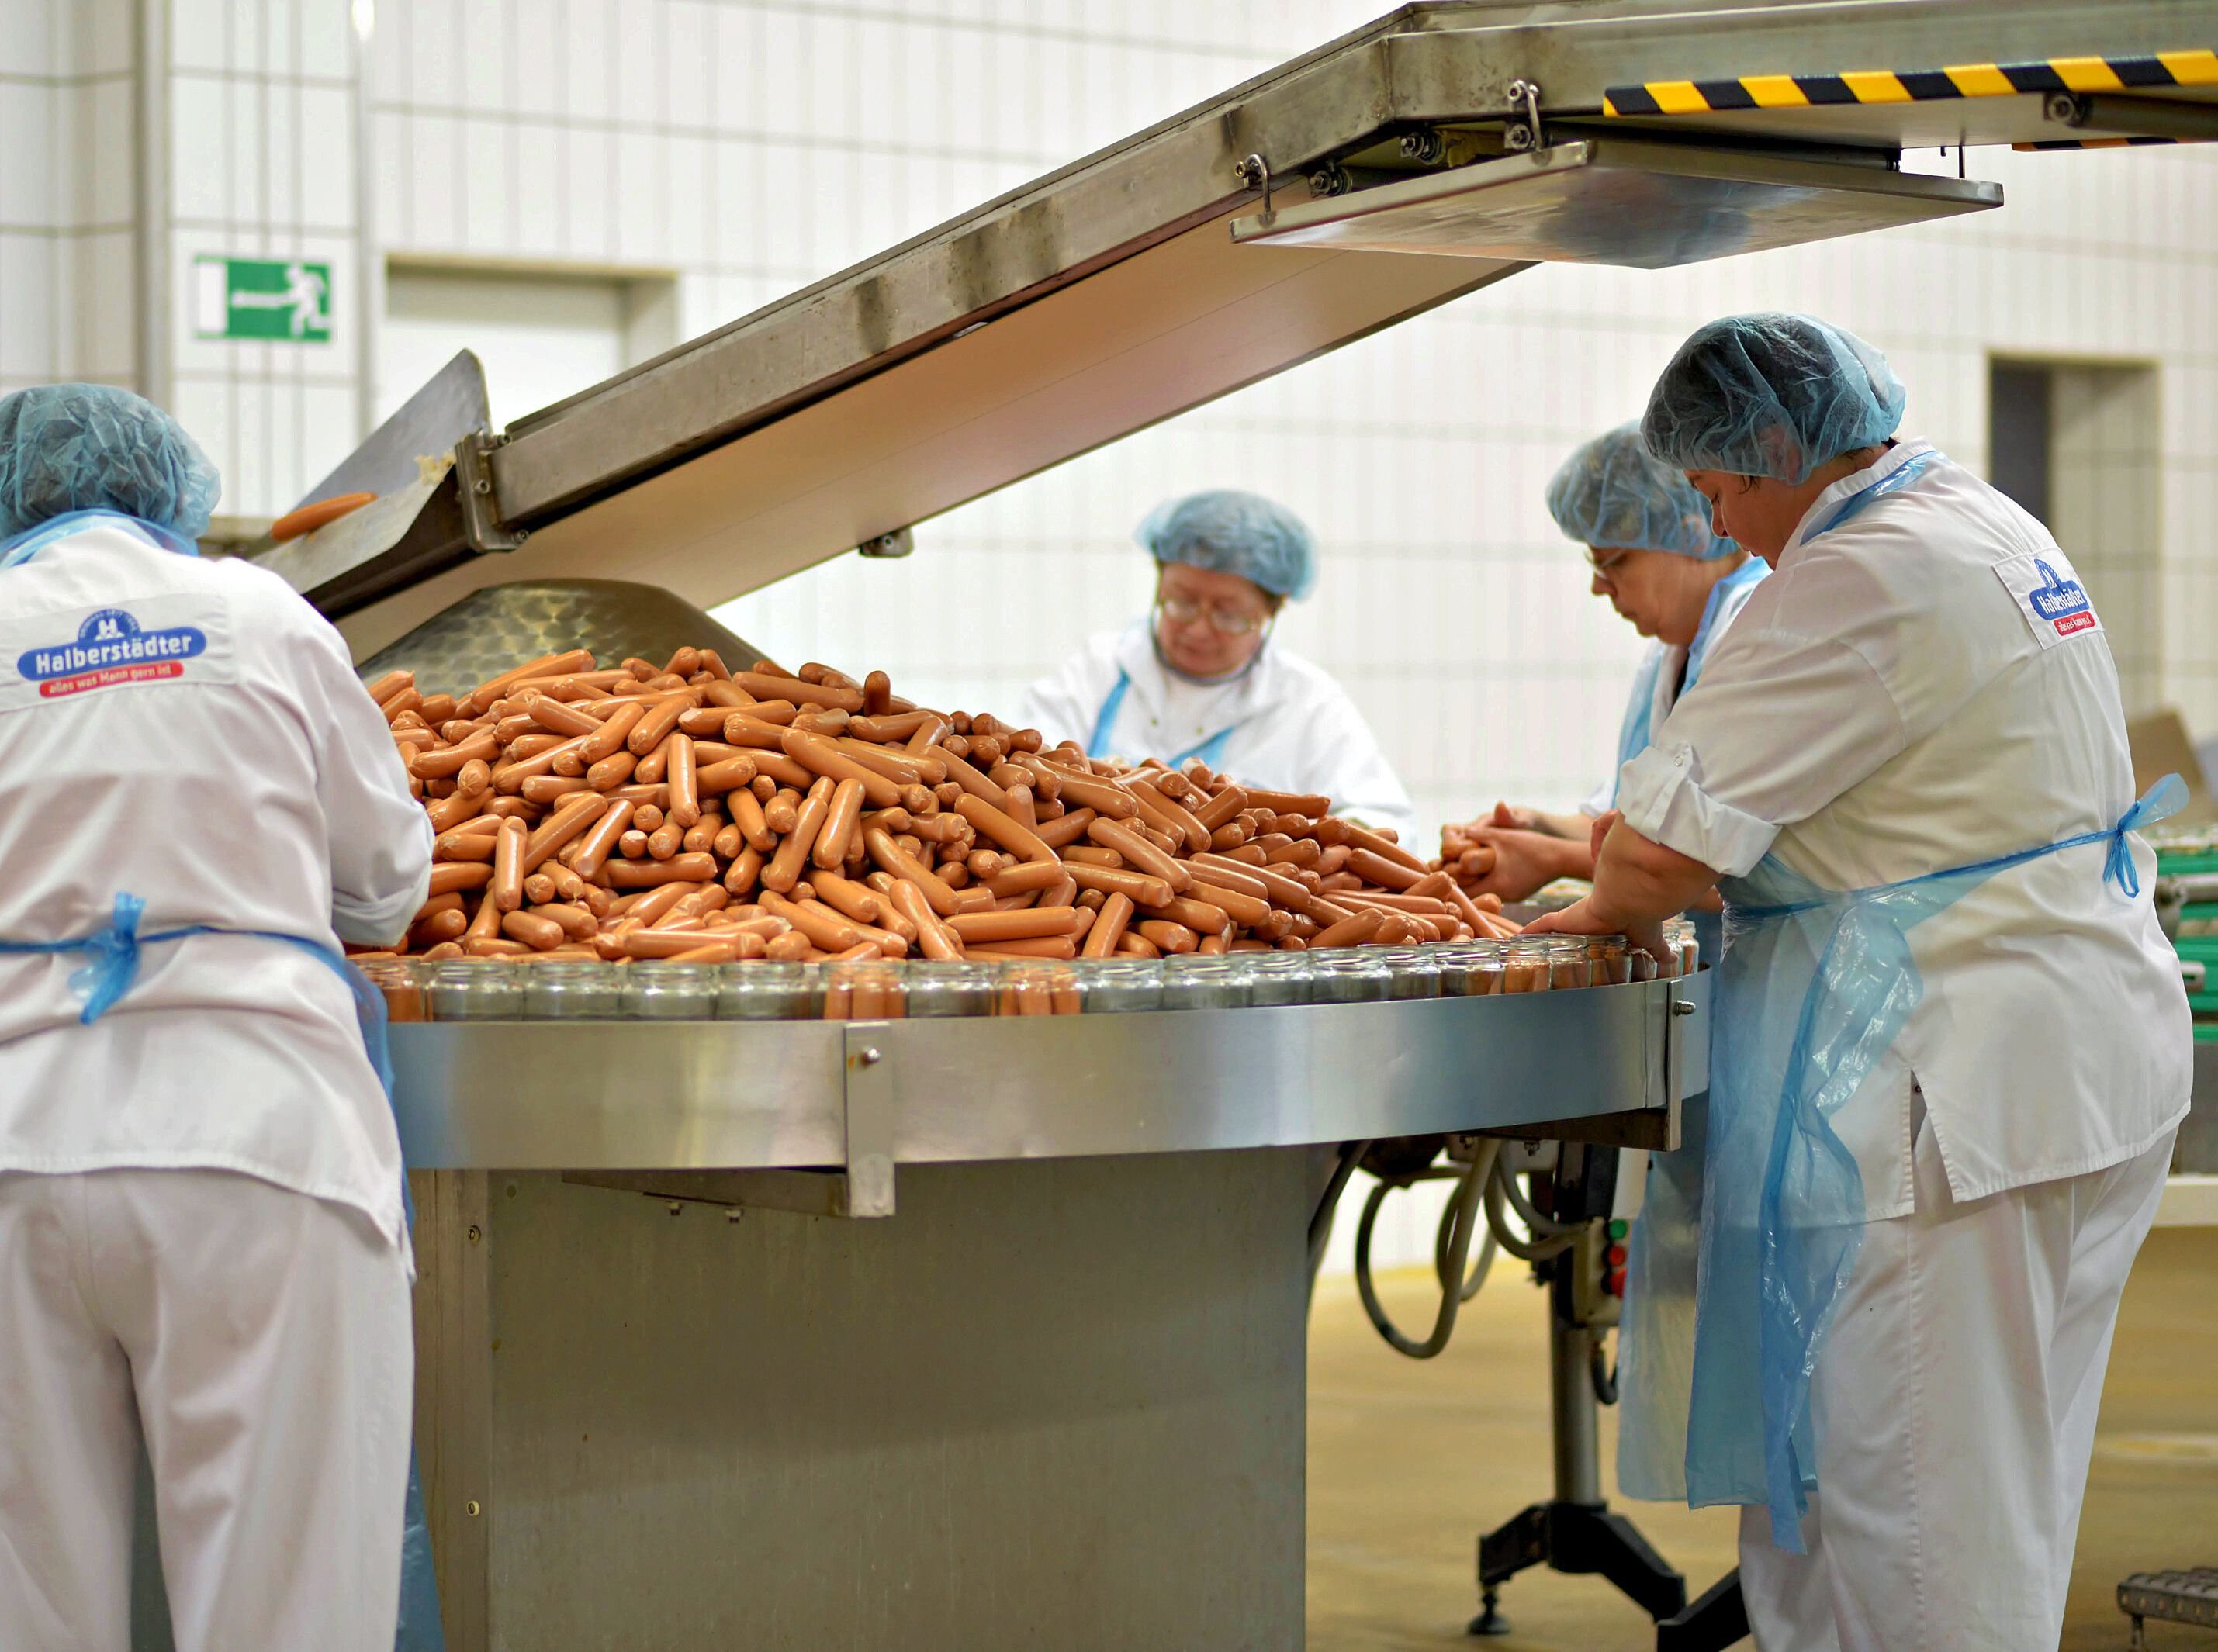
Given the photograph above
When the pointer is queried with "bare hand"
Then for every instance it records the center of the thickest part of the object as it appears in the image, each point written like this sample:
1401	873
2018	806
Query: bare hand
1523	862
1600	830
1516	820
1580	918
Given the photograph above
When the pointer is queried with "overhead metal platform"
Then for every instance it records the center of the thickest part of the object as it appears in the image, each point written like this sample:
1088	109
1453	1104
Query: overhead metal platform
1112	293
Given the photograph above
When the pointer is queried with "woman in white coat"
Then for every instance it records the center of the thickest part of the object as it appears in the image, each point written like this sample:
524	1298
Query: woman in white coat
1200	679
1651	553
201	1222
1951	1044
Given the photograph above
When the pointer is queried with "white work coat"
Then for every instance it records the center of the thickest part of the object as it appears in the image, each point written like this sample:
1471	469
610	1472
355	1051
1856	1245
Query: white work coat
1667	670
1283	724
1921	686
232	772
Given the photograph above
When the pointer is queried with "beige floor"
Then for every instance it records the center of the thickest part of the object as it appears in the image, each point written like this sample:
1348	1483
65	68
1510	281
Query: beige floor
1408	1462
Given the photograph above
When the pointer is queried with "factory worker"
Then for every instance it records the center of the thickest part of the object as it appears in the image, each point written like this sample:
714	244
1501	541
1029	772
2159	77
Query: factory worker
201	1224
1951	1043
1652	553
1201	679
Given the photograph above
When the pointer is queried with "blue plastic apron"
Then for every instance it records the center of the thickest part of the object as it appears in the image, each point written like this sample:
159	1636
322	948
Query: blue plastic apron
1815	986
1210	751
1637	733
112	968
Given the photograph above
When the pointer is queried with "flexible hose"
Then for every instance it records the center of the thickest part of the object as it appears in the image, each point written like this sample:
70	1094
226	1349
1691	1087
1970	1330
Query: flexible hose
1321	1219
1604	1374
1448	1260
1500	1193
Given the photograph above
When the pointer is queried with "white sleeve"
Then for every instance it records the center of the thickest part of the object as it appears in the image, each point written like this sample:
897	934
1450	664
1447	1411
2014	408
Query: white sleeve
380	838
1352	769
1779	725
1065	706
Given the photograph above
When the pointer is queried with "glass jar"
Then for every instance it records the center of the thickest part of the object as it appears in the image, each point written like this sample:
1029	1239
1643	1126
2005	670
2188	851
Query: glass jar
1114	985
865	991
1567	962
1643	962
762	991
1417	972
1470	969
1609	960
1281	978
1355	974
1525	968
1042	989
400	982
940	989
1224	982
476	990
654	990
573	991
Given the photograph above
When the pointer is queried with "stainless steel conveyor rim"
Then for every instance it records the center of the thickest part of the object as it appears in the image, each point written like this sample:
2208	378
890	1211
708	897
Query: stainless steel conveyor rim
635	1095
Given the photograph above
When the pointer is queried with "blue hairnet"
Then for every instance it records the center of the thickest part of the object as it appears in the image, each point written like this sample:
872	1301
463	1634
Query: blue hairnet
1770	395
91	446
1614	493
1230	532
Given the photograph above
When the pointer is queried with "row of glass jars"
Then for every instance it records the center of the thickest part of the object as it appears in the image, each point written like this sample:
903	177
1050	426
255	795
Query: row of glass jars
570	990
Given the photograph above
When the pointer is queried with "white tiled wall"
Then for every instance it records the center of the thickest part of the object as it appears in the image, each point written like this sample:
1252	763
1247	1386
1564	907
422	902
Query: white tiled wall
262	164
67	298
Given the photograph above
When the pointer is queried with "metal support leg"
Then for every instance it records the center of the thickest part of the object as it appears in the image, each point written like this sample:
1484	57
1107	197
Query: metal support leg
1718	1620
1575	1531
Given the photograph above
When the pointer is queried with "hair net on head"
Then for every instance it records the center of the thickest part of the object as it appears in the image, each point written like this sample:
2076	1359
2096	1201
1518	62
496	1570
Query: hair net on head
1614	493
91	446
1230	532
1770	395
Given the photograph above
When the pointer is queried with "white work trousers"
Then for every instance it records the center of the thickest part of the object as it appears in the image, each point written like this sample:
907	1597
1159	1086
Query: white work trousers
1956	1397
261	1338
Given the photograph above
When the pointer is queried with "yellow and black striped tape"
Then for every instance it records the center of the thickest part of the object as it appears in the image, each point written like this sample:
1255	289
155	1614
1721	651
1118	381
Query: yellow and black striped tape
1914	86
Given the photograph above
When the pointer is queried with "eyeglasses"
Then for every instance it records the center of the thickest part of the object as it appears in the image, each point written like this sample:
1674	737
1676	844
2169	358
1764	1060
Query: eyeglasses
1232	622
1605	566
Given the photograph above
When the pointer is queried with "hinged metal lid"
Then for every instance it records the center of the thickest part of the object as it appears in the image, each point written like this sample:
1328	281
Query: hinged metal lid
1615	200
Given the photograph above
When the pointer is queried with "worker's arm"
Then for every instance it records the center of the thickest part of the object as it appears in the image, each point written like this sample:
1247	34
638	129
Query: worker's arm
1637	884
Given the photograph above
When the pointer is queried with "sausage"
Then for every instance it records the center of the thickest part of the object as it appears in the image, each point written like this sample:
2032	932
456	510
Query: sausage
1332	831
540	934
732	775
551	789
890	728
684	799
1109	927
898	766
1043	946
454	875
852	900
1173	818
561	665
565	824
1351	932
933	938
446	925
505	888
440	764
747	814
616	732
600	840
1252	911
1374	868
974	784
895	860
1167	937
663	842
1143	889
1139	853
786	867
783	811
1018	923
1026	878
463	846
1004	830
559	718
652	874
1200	916
764	685
1105	797
825	928
745	871
814	753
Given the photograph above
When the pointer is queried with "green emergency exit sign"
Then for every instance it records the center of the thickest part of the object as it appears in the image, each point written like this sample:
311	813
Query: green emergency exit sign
280	299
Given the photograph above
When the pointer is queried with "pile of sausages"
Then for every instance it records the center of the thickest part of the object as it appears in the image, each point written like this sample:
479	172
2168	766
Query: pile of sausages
693	812
1463	859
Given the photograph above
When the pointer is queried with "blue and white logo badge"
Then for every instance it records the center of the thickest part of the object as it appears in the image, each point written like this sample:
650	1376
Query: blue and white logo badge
2059	601
111	648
